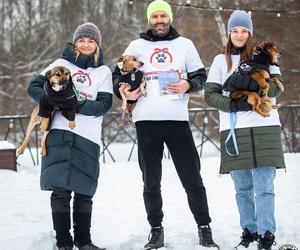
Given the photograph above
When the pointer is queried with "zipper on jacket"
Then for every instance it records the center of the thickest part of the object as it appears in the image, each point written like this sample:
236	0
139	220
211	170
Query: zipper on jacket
253	148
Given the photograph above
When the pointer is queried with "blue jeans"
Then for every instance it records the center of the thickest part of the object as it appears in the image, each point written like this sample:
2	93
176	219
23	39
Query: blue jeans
255	198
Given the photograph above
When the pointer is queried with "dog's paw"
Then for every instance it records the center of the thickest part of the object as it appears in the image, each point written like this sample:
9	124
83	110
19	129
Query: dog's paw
43	152
72	124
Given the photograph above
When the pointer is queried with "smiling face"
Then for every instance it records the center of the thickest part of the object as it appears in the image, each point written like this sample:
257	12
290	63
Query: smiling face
86	46
160	23
239	36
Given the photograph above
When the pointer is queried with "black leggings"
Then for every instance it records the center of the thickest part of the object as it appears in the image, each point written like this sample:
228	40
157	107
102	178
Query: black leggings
60	201
82	211
151	136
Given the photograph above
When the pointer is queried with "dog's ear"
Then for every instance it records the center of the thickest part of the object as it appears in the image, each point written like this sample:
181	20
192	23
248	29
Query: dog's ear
121	59
48	74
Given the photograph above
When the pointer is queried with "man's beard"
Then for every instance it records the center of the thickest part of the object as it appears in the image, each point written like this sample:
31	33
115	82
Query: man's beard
162	32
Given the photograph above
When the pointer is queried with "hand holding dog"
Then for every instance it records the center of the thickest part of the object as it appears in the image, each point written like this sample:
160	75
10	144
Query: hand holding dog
132	95
180	87
240	105
240	81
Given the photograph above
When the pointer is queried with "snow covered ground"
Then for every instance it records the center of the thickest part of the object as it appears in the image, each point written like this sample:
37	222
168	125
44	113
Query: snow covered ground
119	220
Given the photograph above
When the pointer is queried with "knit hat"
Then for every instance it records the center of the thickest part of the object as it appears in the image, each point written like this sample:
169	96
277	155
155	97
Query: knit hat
89	30
240	18
159	5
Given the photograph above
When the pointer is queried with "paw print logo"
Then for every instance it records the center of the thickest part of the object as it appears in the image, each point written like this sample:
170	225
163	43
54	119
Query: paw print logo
161	58
81	79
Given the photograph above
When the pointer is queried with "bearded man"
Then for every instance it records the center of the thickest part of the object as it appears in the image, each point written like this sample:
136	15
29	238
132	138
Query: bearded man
172	70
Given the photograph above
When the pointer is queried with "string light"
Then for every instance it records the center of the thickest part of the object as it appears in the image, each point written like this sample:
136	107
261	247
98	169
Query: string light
188	4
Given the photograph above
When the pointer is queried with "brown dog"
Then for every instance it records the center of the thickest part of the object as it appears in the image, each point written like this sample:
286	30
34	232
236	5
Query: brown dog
264	54
130	77
58	95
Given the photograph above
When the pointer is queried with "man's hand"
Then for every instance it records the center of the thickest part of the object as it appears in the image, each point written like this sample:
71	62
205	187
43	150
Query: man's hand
180	87
132	95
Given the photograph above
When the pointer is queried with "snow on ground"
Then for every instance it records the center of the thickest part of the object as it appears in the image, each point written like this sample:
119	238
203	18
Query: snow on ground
119	219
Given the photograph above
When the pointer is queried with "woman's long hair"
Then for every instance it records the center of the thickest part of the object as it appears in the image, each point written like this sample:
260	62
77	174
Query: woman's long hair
96	54
245	52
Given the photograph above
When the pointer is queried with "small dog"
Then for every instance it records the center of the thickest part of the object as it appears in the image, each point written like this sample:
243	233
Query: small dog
264	54
132	77
59	94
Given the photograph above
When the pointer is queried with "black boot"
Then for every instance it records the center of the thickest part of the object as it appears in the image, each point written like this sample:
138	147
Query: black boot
247	238
155	239
205	237
62	225
266	242
81	226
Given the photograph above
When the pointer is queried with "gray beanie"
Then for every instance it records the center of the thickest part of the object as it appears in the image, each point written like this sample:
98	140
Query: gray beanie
240	18
89	30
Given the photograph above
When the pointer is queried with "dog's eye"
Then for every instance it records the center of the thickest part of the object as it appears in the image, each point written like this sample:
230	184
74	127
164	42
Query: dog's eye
57	74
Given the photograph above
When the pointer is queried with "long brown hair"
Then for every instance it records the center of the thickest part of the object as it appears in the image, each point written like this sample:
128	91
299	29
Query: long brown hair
245	52
96	54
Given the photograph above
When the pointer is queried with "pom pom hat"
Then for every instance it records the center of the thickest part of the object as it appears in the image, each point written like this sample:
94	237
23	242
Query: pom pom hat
88	30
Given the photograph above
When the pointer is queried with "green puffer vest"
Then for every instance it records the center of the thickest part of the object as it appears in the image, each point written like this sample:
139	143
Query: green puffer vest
258	147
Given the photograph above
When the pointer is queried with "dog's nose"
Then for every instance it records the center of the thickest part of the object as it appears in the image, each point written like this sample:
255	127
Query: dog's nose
141	64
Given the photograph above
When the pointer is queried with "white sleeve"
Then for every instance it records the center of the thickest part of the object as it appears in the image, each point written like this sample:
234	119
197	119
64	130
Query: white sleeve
215	71
58	62
193	61
106	85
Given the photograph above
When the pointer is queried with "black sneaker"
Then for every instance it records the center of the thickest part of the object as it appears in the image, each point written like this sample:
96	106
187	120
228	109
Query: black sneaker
155	239
247	238
65	248
266	242
91	246
205	237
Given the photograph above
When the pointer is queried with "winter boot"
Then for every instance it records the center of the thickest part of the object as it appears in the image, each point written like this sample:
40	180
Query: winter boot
62	225
155	239
91	246
205	237
81	226
266	242
247	238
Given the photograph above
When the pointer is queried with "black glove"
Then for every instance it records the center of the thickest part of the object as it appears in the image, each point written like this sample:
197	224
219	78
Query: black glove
240	105
240	81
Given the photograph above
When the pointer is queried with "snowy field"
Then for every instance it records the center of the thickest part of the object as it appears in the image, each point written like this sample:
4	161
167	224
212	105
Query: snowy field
119	220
